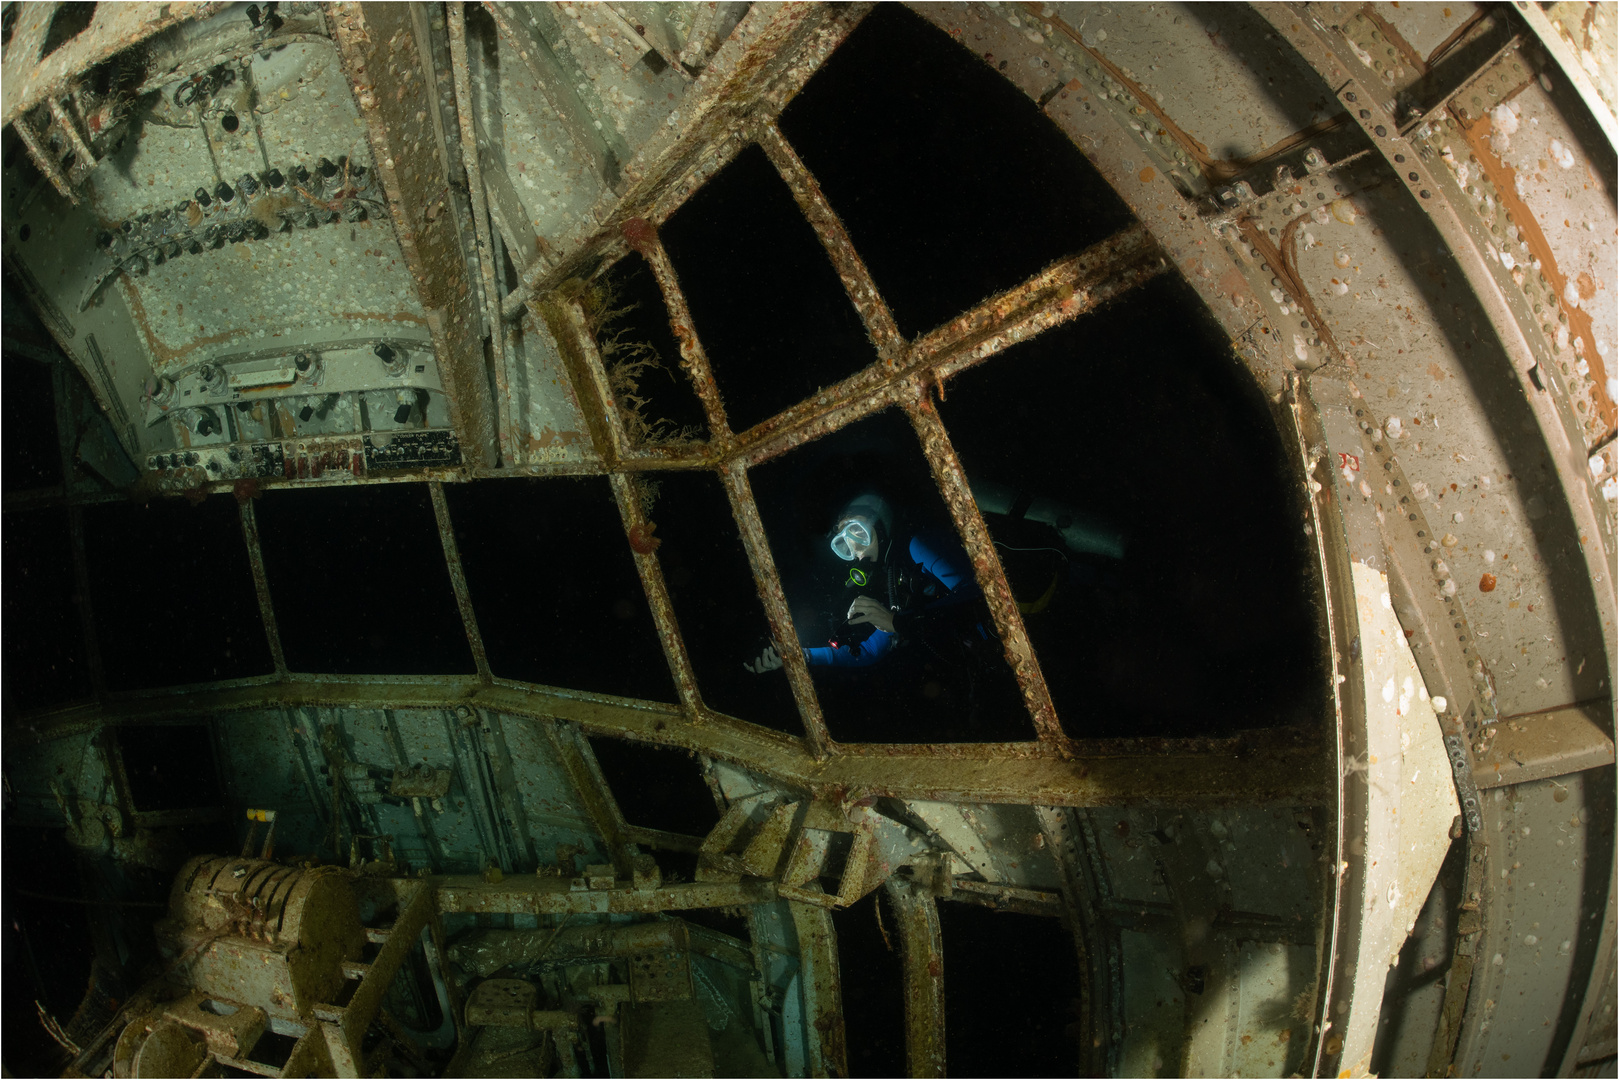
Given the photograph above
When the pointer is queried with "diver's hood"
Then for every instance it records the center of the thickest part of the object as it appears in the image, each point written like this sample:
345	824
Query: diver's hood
872	506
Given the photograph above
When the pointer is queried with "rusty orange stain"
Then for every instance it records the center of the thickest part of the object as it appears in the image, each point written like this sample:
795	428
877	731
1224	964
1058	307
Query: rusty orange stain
1146	175
1505	177
1234	285
549	437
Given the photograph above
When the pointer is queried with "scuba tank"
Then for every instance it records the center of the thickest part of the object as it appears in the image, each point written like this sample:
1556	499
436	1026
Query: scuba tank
1082	533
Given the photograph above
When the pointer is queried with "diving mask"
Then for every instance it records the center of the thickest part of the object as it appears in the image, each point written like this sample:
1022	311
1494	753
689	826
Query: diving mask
855	535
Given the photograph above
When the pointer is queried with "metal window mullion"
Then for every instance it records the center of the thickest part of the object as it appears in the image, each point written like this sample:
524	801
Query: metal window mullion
70	128
1067	289
819	423
458	578
597	386
958	496
851	269
44	158
922	955
456	21
693	357
768	582
1281	769
394	88
584	772
261	586
1071	286
630	510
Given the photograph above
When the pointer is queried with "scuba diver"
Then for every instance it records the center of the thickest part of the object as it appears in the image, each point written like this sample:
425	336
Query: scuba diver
925	585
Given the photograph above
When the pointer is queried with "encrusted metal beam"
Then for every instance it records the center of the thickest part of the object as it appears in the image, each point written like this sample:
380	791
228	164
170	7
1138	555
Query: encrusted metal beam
768	582
592	788
922	951
1273	767
760	68
345	1038
1102	1019
456	23
826	1052
1562	50
532	895
395	91
693	357
627	492
583	362
958	496
30	78
873	309
1520	749
261	586
1151	195
1063	291
558	87
458	578
45	159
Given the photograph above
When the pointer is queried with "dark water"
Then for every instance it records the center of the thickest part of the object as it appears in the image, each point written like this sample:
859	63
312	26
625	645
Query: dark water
359	583
554	586
33	455
170	766
873	986
1012	990
1140	415
657	787
172	593
45	662
951	182
769	309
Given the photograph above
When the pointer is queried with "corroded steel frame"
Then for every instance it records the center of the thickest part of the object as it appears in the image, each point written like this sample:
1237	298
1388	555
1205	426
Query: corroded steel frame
1277	767
740	95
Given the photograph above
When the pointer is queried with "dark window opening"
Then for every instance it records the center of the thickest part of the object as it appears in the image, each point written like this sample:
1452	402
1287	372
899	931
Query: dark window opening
172	593
870	962
942	677
33	452
770	309
45	662
170	766
626	312
554	585
712	590
1205	626
1012	993
675	865
48	949
951	182
657	787
359	582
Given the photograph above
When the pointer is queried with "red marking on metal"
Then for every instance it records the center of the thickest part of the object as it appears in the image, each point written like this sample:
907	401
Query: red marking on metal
642	540
640	233
1349	461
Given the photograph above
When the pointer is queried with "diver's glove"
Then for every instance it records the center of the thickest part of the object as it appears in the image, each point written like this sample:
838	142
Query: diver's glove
769	660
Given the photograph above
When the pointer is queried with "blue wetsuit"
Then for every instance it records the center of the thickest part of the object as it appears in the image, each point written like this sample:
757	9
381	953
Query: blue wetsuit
947	583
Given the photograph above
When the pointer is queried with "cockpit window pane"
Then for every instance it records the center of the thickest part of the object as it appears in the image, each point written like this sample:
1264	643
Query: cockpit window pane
941	676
